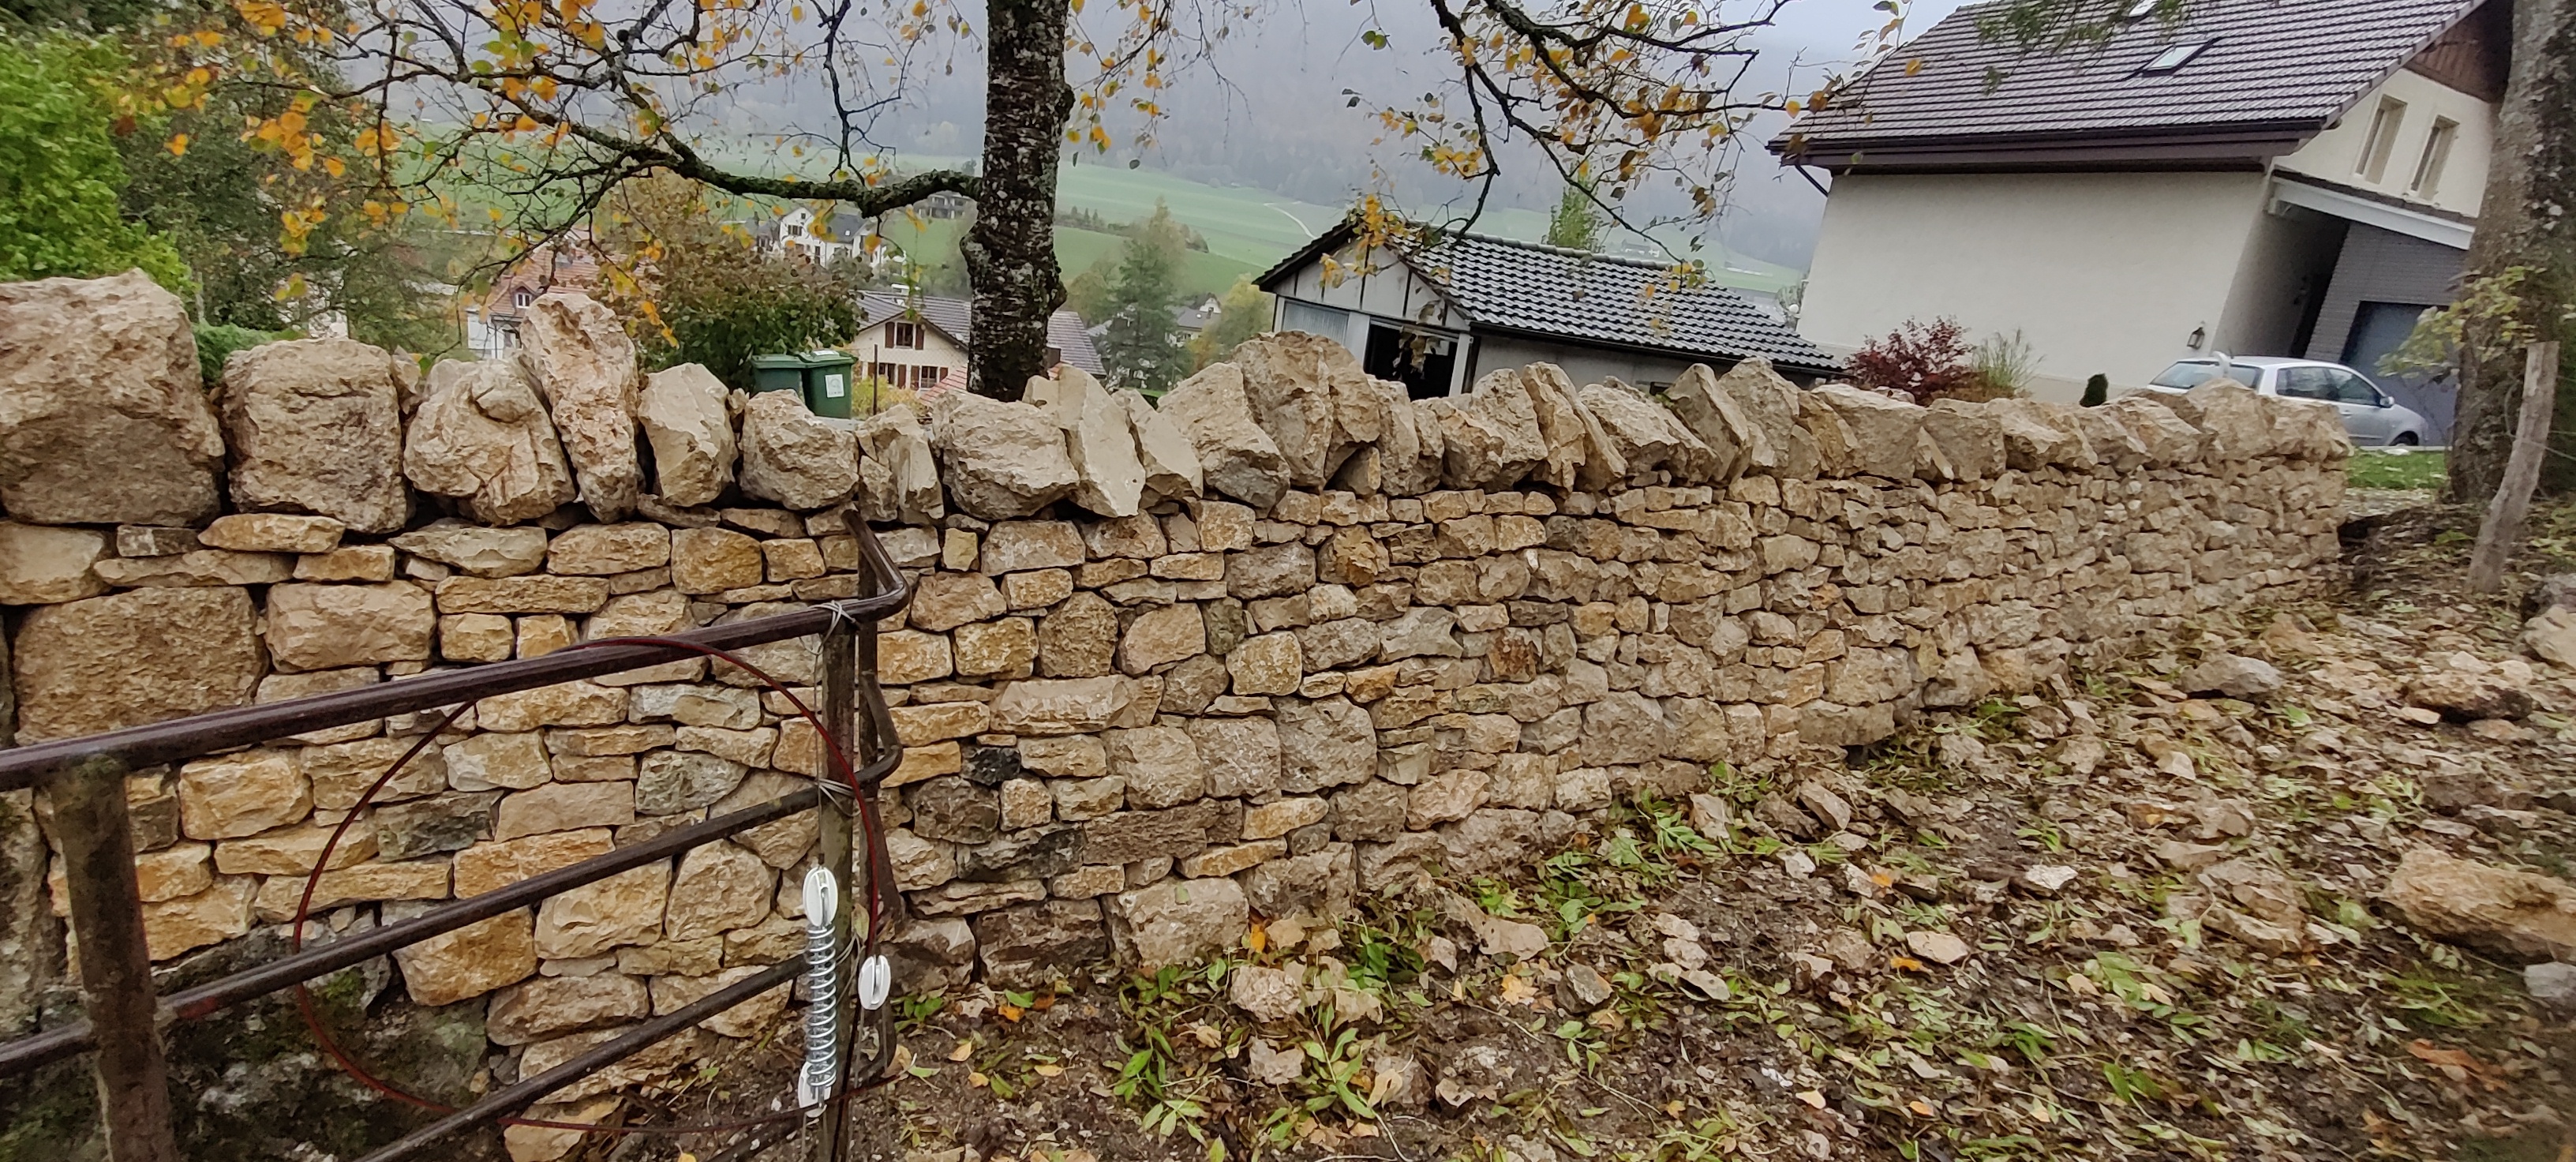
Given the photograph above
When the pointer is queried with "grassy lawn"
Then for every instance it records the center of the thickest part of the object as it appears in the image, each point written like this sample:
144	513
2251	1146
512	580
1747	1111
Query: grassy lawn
2396	468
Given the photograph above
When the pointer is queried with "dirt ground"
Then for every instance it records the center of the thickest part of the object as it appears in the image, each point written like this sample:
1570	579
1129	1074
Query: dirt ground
2029	939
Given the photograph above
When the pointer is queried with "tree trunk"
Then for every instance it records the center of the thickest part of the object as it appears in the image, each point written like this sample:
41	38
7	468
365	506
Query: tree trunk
2525	220
1010	250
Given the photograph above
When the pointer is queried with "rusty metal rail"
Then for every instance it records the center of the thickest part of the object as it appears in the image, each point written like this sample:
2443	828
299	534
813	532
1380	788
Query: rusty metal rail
85	778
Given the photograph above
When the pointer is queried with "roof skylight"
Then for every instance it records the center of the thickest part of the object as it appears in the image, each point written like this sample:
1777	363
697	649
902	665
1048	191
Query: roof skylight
2139	10
2173	59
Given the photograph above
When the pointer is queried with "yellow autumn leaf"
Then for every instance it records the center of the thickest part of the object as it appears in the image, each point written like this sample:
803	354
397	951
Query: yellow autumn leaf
179	145
964	1050
1047	1070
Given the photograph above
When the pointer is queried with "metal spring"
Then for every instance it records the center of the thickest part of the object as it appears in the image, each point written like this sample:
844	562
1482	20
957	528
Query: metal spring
822	979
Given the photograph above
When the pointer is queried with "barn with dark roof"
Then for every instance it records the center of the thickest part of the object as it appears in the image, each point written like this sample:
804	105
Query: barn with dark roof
1433	311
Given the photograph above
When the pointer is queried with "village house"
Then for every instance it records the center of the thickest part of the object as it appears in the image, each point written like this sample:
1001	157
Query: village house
1434	317
918	342
2255	177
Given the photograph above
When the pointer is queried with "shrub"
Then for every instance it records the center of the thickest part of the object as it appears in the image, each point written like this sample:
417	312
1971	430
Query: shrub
2002	369
1926	361
2097	390
218	342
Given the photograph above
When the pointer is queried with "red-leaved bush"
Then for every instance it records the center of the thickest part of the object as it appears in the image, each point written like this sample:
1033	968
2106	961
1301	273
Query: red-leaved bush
1926	361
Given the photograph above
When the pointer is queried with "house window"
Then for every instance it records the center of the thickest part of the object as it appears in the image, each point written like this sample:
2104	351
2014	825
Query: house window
521	299
2173	59
887	374
926	376
904	335
2382	141
2437	152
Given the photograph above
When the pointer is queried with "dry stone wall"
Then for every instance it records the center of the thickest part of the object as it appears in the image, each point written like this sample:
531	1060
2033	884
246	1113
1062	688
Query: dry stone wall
1286	637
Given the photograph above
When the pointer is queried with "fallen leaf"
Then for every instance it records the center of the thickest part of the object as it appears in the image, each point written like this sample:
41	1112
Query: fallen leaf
964	1050
1009	1012
1517	990
1047	1070
1206	1035
1815	1098
1907	963
1257	939
976	1080
1921	1108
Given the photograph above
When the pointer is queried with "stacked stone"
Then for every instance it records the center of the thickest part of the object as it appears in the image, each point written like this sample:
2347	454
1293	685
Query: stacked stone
1286	637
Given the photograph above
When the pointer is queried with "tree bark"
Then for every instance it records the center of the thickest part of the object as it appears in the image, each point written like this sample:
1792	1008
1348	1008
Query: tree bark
2526	219
1010	250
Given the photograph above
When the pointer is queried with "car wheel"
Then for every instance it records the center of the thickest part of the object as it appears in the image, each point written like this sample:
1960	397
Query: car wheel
2407	440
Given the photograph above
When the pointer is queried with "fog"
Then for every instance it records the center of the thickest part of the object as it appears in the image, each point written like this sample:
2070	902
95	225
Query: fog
1262	95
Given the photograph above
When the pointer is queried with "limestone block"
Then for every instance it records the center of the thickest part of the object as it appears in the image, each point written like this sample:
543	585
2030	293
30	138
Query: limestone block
940	721
682	411
497	864
669	782
1322	884
219	913
606	550
469	962
1109	475
202	568
1492	438
999	460
1270	663
1967	442
1178	922
270	532
720	887
1040	706
1310	396
535	594
1326	743
1005	648
1035	945
1242	756
322	627
1014	546
1161	636
562	704
1163	450
564	807
623	909
755	1018
908	656
1080	756
794	457
482	436
898	471
280	896
102	417
1646	436
315	425
715	560
944	601
1883	430
1576	444
1236	456
1160	765
46	565
125	659
484	761
554	1005
583	364
293	851
350	563
478	551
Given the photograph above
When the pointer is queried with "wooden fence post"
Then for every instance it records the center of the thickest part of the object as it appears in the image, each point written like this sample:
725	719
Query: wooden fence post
2503	524
115	963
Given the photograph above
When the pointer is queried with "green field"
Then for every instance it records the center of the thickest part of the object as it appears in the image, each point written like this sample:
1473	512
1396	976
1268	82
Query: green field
1246	229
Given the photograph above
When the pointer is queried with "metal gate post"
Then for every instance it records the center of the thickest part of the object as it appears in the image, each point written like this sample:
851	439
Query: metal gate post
115	963
832	848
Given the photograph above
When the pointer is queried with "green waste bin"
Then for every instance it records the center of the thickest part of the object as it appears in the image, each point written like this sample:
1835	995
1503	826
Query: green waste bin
828	383
778	373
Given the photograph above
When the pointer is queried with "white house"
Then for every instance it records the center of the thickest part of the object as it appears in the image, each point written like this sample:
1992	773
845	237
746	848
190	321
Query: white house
1434	317
917	341
2259	177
